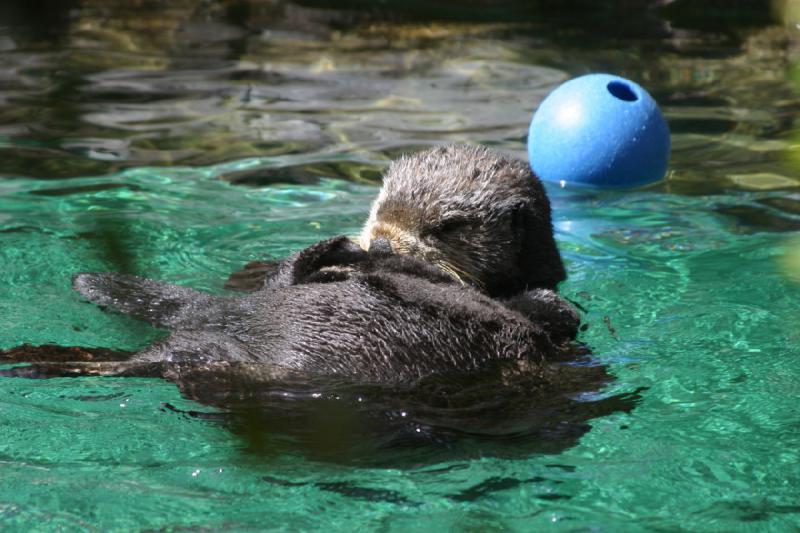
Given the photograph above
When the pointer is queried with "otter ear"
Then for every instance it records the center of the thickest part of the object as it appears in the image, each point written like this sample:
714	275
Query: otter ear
539	260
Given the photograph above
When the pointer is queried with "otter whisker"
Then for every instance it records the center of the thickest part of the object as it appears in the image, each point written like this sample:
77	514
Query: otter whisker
449	270
460	273
476	281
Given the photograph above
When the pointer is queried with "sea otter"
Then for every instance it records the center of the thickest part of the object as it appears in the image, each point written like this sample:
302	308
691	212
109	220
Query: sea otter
455	272
442	320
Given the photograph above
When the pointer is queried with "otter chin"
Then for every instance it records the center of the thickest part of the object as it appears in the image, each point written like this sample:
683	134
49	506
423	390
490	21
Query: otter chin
481	217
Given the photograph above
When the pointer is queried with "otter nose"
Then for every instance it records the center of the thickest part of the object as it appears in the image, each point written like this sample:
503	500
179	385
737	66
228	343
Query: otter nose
380	245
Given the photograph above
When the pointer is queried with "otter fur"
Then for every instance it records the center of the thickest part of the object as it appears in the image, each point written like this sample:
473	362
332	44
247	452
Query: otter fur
455	272
481	217
477	215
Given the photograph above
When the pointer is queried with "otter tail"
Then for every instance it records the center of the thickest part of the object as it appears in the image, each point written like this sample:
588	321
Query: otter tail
160	304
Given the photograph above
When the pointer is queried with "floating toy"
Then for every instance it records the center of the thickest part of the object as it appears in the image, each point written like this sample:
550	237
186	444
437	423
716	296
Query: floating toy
599	130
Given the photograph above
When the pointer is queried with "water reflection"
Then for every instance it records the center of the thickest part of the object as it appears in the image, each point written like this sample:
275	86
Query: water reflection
89	87
508	410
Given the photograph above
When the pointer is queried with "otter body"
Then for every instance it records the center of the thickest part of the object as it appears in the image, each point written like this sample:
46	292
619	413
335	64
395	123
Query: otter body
334	309
455	271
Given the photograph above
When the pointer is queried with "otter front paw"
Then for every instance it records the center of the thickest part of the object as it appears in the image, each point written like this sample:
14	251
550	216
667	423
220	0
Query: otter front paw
545	307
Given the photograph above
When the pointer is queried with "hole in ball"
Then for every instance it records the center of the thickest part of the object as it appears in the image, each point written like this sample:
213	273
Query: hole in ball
622	91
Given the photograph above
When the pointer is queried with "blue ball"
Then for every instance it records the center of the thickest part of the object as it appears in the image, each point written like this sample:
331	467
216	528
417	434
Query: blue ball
599	130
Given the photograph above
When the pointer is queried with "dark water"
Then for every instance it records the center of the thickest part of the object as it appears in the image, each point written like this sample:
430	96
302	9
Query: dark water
179	140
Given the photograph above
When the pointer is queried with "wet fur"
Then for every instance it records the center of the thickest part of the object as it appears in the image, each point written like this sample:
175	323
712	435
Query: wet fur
335	309
478	215
470	284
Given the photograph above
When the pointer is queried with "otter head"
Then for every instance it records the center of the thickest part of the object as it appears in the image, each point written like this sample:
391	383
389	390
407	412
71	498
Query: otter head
479	216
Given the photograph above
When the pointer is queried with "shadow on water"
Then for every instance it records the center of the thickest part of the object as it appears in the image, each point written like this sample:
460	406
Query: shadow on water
496	413
509	411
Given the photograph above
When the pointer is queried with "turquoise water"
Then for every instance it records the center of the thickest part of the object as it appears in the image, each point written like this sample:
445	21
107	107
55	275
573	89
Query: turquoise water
702	316
690	288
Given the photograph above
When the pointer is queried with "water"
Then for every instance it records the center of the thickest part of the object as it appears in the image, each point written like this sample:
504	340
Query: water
180	144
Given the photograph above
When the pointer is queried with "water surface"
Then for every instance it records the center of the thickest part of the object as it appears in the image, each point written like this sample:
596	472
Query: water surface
180	142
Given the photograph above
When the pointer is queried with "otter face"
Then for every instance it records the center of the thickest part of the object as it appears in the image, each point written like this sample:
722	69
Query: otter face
479	216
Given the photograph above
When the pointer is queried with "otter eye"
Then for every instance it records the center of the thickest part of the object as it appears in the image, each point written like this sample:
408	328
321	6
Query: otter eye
446	226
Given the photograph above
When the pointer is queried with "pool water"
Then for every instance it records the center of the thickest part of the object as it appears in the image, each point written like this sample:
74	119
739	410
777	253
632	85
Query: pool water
179	143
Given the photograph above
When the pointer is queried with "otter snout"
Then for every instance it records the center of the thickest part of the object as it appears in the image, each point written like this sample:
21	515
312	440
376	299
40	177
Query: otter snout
380	245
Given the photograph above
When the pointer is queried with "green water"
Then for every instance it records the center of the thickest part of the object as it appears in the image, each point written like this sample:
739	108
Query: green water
124	148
